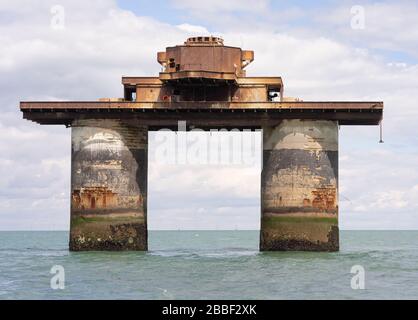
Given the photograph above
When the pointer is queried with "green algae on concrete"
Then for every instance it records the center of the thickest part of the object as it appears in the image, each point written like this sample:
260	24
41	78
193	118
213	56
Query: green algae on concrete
299	233
108	233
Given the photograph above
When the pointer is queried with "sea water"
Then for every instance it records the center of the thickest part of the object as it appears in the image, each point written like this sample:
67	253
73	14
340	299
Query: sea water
210	265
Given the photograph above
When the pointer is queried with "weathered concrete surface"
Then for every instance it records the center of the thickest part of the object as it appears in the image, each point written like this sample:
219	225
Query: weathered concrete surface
299	186
108	186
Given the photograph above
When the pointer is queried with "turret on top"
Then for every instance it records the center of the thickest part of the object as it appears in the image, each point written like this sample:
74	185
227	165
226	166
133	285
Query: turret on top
201	41
203	69
204	58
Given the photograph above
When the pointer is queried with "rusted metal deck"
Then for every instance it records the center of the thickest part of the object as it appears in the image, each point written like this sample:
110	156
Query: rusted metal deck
204	114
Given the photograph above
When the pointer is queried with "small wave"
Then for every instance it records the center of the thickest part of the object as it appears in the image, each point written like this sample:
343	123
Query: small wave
190	253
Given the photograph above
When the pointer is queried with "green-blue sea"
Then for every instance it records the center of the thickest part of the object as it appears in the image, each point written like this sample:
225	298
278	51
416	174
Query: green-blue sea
209	265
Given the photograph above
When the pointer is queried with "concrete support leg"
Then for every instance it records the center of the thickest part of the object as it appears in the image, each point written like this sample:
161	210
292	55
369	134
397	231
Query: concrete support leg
299	186
108	186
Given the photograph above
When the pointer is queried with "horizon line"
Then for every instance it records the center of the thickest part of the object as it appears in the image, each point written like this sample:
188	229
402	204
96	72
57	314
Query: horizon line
67	230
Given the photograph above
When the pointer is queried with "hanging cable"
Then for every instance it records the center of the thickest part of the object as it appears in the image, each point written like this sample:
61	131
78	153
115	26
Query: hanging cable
381	132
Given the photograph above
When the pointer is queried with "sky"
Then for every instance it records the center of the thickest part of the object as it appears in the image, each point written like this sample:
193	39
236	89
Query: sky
324	50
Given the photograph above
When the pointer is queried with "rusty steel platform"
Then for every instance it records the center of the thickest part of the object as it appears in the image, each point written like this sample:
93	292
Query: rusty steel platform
204	114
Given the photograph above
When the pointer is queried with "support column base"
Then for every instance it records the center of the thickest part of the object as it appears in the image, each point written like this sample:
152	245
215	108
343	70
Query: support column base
299	233
109	234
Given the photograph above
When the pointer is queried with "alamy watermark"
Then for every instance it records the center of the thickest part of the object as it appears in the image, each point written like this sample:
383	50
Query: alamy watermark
58	17
58	279
213	147
358	281
358	19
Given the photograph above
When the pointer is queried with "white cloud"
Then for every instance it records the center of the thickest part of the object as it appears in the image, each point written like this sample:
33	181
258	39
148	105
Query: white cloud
388	25
192	29
211	6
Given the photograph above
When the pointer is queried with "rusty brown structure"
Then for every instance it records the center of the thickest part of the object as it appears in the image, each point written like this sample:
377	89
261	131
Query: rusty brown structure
204	83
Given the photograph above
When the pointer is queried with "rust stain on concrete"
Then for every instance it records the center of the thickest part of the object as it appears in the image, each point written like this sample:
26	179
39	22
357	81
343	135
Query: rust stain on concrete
324	198
94	198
